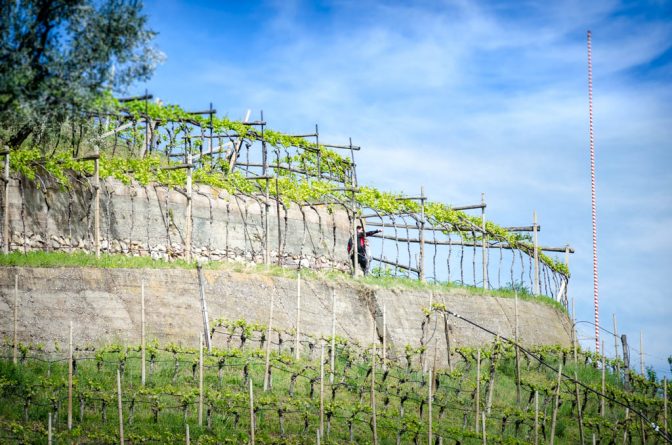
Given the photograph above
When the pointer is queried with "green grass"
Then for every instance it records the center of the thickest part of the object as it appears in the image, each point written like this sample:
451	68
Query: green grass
119	261
158	412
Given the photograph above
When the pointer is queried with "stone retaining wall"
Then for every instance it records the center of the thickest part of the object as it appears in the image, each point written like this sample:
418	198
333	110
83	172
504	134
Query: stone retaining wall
151	220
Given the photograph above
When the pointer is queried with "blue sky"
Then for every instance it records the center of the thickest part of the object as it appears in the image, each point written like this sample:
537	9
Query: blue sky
465	97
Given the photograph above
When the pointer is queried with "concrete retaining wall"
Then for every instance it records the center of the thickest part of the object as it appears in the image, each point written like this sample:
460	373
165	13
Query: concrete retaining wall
104	305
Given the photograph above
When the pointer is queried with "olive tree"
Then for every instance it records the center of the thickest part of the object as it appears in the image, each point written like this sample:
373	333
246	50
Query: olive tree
59	57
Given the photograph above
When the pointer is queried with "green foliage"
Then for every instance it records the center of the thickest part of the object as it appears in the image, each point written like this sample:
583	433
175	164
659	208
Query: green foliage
289	411
291	187
59	58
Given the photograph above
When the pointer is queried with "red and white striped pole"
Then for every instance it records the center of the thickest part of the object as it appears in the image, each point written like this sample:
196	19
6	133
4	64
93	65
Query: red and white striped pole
596	299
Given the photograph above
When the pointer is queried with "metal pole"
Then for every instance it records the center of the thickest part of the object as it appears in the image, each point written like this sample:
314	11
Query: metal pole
596	300
119	406
252	420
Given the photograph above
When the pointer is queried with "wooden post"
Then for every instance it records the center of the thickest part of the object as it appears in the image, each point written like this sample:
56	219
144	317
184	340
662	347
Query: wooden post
70	380
484	246
252	420
5	203
485	438
204	307
297	343
353	204
604	374
421	227
373	383
429	407
16	319
615	337
536	417
142	332
625	426
267	205
641	352
96	208
491	380
555	406
200	380
187	222
626	361
517	349
187	438
333	336
267	367
536	253
384	350
665	405
321	388
477	398
578	406
119	406
574	340
49	429
277	205
446	331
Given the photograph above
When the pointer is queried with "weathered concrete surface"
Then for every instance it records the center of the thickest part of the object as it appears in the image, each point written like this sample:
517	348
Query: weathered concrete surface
151	220
104	305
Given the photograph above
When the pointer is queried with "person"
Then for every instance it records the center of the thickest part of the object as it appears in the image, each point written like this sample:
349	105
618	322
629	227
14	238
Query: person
362	258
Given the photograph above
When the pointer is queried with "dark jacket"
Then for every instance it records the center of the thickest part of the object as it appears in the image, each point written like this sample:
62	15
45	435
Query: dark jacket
361	248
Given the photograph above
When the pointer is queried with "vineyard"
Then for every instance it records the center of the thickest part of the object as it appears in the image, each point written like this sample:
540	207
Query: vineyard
260	388
143	143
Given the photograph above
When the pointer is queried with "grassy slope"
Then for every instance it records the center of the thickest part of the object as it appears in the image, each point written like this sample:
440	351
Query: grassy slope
62	259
